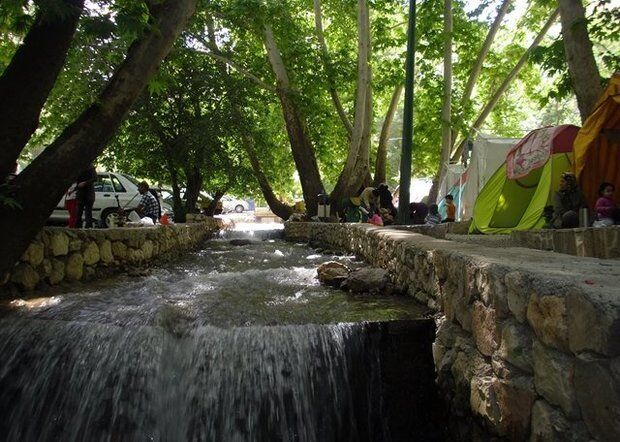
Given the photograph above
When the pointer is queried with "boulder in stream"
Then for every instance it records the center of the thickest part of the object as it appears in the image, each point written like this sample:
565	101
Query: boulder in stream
332	273
371	280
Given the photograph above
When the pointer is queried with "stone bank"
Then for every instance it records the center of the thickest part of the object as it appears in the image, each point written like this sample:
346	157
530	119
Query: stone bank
60	255
527	341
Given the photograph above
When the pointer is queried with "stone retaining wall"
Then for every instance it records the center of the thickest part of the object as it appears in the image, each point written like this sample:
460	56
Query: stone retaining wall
59	254
527	341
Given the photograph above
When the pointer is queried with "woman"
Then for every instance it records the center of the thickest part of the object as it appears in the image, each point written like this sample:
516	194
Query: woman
566	203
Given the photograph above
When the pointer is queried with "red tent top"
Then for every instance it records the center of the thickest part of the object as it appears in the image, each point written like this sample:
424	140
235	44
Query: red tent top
534	150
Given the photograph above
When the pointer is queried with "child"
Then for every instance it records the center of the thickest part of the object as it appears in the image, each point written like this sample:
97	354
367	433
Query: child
606	211
433	217
450	209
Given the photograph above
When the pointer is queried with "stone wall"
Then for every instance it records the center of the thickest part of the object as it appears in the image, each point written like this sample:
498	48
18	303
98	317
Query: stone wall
601	242
528	341
67	255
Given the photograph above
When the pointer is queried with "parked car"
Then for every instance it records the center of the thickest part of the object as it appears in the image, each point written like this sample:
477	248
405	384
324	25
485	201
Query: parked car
112	190
232	204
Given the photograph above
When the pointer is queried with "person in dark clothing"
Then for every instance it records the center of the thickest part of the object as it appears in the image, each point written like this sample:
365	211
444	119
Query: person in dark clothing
385	199
566	203
418	212
148	206
86	197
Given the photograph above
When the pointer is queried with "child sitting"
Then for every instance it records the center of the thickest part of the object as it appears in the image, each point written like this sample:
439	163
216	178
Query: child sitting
433	217
607	213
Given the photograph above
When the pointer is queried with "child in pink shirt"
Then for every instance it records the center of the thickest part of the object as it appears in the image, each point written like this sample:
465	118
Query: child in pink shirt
607	213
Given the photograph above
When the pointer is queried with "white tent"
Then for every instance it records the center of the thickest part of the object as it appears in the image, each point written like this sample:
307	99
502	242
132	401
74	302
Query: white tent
487	155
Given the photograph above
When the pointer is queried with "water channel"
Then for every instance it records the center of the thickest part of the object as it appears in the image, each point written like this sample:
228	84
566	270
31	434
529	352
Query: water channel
229	343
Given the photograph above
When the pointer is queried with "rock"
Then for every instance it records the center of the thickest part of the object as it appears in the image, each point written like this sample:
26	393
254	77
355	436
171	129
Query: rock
58	272
483	401
547	316
34	254
240	242
74	267
24	275
59	244
46	267
91	254
89	273
484	328
137	272
594	322
514	398
598	394
553	377
518	288
332	273
135	255
119	249
367	280
550	425
105	252
516	345
75	245
147	249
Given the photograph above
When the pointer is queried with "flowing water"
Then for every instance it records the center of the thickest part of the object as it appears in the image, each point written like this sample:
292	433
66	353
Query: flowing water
234	343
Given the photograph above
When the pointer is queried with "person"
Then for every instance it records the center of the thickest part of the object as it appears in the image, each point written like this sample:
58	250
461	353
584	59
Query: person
370	199
85	196
353	212
607	213
71	205
148	206
385	199
376	219
433	217
450	209
418	213
566	203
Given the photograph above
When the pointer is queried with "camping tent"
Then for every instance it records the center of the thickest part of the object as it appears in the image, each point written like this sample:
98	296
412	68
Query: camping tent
597	146
488	153
516	194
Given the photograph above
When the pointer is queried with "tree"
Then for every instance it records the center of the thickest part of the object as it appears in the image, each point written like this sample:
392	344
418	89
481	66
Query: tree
579	56
28	79
38	189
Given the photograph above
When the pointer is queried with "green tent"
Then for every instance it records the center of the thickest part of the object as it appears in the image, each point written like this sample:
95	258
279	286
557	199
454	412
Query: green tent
515	196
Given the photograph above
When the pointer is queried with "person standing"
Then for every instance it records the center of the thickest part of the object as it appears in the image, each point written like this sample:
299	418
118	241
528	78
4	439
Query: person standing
71	205
450	209
86	197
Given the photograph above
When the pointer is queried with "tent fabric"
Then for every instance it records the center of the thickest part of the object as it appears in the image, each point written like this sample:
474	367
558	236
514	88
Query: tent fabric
488	154
597	153
534	149
506	204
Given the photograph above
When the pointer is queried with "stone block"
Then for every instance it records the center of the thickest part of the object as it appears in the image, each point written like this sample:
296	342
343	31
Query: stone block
546	315
594	321
484	328
598	393
550	425
105	252
514	398
516	345
91	254
46	267
518	290
59	244
553	376
34	254
58	272
147	249
25	276
119	250
483	401
75	245
74	266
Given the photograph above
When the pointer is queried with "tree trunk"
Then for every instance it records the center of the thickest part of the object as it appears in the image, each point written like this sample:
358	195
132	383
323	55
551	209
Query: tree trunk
502	88
386	129
42	184
29	78
579	57
301	146
475	71
217	196
446	110
193	187
356	165
318	24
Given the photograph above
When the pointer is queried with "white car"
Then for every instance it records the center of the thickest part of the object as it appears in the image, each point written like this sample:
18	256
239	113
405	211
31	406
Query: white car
111	191
231	204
